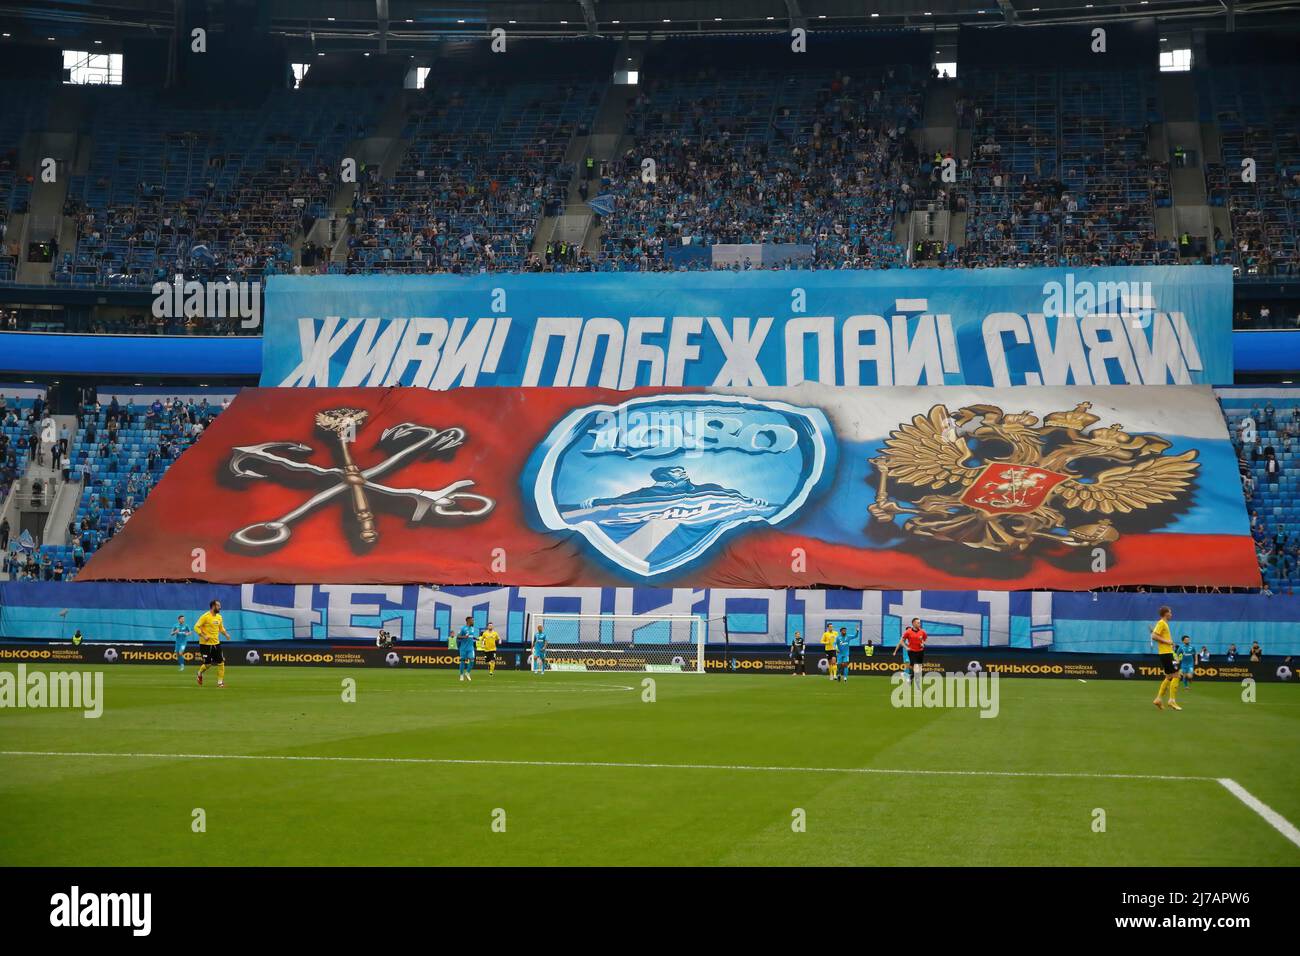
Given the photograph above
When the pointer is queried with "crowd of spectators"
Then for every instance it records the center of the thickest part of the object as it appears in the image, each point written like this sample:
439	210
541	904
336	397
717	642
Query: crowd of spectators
118	455
213	193
824	161
20	429
106	321
1059	173
483	165
1257	113
1267	440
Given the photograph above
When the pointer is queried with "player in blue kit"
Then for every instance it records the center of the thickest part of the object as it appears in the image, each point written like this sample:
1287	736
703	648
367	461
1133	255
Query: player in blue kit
842	646
181	636
539	651
1186	661
466	645
907	660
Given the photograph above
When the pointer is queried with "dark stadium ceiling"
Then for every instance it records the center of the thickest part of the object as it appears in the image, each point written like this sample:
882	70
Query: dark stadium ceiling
402	26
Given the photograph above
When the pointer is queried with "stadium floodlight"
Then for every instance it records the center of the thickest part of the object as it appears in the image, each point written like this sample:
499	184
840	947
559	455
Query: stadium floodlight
652	643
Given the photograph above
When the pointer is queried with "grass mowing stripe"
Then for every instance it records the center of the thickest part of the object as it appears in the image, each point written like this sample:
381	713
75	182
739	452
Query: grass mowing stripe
1274	819
1065	774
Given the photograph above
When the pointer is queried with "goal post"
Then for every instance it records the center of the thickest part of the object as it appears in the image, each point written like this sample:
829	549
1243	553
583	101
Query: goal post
653	643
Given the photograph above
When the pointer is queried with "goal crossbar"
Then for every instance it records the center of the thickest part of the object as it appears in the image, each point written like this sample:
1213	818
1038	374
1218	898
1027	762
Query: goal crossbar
657	643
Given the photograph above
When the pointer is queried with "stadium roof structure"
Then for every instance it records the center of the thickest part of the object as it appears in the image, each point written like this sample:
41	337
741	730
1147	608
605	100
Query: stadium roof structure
402	26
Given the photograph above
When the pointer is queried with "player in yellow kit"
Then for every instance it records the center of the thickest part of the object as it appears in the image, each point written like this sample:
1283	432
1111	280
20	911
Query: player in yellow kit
1165	647
487	643
209	627
829	637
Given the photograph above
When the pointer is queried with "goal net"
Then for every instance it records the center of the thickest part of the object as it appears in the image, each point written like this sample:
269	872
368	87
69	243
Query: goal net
622	642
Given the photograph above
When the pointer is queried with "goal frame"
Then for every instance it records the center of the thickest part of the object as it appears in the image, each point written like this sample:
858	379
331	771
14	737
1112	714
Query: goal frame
699	622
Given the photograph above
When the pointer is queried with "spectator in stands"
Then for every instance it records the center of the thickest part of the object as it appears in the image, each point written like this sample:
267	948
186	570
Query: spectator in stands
1231	656
4	534
1256	652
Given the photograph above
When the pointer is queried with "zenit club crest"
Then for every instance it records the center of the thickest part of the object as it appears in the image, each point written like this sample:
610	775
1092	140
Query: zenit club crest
656	482
987	479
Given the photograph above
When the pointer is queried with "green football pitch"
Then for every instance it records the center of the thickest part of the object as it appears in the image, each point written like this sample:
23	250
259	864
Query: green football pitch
571	769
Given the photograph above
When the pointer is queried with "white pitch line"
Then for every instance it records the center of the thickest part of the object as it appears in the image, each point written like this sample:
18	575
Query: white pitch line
1274	819
612	764
1271	816
511	689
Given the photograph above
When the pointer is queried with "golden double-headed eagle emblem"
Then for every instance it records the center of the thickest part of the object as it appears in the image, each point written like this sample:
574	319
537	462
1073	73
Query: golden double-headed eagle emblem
1025	478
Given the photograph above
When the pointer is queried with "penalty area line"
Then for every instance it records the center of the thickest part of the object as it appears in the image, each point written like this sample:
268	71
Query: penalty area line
1274	819
616	765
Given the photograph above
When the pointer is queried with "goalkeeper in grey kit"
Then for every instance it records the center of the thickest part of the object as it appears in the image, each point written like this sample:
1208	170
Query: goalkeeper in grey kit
797	658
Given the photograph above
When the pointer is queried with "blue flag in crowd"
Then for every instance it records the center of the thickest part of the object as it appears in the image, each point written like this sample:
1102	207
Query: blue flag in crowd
602	205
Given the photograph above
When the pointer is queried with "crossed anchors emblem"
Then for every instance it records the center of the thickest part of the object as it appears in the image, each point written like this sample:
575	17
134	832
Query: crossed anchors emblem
354	482
1020	494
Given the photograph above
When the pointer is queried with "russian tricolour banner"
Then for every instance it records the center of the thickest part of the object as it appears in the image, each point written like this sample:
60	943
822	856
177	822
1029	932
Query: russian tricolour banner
957	487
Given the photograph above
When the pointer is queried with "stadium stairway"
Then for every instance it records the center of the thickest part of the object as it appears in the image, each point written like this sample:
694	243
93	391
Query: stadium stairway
69	492
45	215
385	149
1212	143
1191	210
44	516
938	134
577	223
939	130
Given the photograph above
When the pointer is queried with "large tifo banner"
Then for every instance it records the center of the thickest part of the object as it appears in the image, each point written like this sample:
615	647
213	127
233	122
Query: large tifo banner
1147	325
1106	623
957	487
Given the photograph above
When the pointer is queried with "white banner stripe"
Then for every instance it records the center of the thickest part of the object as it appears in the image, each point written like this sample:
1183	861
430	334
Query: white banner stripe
868	413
